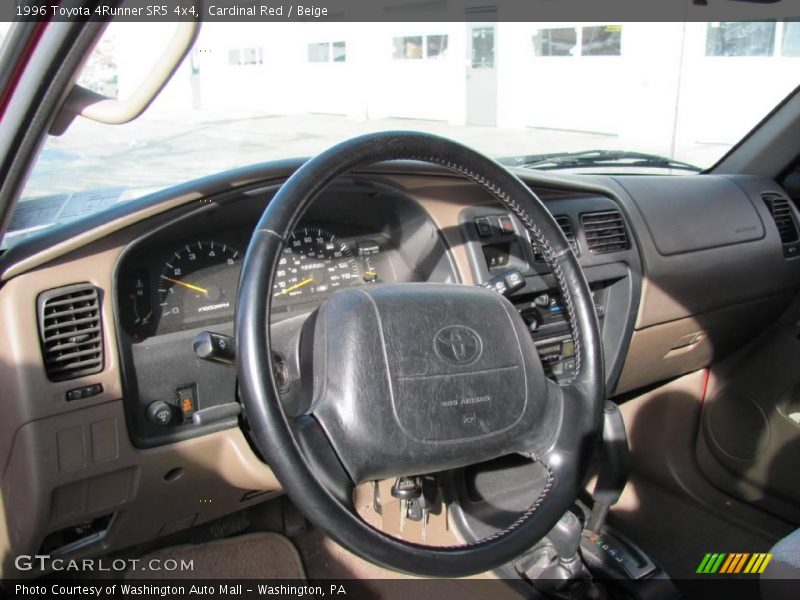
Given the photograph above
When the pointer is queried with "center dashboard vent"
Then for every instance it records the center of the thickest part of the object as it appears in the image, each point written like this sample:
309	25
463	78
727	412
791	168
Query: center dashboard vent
71	331
605	232
569	233
784	218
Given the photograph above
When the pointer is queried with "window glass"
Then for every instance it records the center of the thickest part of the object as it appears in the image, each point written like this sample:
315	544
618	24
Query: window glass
559	41
319	52
436	46
100	72
408	47
253	56
791	39
602	40
339	51
93	166
483	47
740	39
195	61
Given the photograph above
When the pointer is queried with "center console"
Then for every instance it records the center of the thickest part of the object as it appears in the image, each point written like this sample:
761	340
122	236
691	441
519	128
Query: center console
582	557
597	232
545	316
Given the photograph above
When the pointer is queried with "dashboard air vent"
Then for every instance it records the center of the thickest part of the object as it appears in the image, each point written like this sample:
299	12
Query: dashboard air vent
782	214
605	232
569	233
70	331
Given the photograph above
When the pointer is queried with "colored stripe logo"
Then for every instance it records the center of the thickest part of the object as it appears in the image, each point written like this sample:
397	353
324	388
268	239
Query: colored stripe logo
734	563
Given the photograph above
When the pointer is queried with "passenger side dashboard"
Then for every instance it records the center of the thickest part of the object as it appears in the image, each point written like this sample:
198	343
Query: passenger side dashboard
716	273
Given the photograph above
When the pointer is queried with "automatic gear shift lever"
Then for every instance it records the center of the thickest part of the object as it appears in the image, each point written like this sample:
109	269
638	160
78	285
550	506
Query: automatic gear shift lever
556	568
566	539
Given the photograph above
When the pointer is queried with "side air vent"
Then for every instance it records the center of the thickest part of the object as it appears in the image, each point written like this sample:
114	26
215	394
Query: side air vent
781	212
569	233
71	332
605	232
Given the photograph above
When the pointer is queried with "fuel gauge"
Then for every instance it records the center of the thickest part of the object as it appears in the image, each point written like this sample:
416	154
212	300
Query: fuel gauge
366	250
369	272
137	307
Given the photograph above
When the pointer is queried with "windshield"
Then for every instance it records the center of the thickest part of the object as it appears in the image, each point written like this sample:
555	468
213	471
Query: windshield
254	92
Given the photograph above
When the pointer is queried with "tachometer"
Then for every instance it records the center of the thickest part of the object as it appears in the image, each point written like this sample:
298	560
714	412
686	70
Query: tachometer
313	263
198	282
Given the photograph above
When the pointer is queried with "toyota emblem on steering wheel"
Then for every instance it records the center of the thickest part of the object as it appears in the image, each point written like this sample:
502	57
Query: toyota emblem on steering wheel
457	345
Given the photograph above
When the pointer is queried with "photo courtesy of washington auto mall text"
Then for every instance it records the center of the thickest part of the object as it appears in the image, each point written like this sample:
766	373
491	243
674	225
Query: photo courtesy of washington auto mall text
155	590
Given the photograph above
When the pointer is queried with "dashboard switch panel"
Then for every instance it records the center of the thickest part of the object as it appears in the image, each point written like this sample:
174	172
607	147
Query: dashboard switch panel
86	391
505	224
159	413
545	316
484	226
187	401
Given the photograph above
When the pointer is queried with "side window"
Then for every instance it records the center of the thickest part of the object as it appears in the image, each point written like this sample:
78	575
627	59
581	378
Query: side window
790	46
602	40
740	38
417	47
323	52
483	48
100	72
339	53
436	46
560	41
408	47
253	56
319	52
246	56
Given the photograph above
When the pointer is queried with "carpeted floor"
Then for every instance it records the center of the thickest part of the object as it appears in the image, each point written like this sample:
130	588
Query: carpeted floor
249	556
273	556
325	559
671	529
674	531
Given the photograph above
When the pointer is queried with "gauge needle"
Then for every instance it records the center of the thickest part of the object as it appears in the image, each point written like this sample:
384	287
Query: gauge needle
292	288
196	288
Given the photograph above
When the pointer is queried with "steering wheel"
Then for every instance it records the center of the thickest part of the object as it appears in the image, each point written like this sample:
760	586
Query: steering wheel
416	378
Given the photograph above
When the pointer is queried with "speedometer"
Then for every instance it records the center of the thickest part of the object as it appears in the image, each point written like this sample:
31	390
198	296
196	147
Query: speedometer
313	263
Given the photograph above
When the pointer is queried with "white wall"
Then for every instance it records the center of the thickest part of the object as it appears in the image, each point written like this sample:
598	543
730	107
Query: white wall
641	96
421	88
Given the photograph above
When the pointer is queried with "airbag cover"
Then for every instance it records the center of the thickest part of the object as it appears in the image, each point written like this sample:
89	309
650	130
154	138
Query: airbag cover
442	367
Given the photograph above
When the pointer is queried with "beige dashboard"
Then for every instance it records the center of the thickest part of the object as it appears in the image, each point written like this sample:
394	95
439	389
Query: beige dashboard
69	462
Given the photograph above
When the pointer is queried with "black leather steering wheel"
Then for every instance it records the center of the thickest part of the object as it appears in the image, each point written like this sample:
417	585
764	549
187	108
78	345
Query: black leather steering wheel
408	379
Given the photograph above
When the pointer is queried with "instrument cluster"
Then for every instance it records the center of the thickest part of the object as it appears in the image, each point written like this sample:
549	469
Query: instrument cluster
193	282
